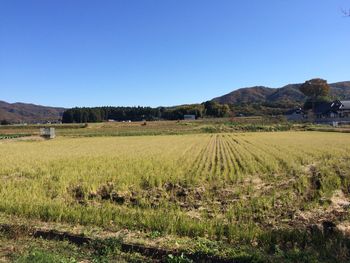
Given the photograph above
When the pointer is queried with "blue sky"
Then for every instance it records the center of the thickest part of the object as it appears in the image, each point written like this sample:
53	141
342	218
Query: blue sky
165	52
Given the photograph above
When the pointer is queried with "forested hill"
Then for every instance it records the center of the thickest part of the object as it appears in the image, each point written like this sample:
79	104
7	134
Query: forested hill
258	100
289	94
31	113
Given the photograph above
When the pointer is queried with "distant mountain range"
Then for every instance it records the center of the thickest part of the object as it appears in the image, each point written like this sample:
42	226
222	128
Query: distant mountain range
24	112
289	93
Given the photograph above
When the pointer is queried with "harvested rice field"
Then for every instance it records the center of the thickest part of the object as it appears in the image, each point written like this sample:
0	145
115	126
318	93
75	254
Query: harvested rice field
261	196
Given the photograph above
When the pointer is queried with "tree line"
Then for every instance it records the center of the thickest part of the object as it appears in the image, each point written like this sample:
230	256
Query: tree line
99	114
316	90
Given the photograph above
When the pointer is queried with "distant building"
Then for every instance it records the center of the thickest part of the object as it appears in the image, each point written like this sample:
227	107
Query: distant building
295	115
189	117
48	133
333	112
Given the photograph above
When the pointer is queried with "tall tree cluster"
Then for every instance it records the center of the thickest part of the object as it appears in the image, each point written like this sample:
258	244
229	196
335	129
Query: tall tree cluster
317	90
98	114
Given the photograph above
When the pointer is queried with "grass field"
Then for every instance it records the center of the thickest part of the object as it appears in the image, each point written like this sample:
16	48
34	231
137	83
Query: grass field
231	188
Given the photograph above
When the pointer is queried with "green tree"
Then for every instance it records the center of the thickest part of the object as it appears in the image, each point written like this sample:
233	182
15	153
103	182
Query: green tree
214	109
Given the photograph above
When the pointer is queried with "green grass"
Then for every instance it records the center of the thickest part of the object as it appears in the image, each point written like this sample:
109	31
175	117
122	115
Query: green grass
13	136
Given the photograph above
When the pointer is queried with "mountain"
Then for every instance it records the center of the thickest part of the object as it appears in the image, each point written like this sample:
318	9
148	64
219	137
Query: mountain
341	90
289	93
246	95
23	112
258	100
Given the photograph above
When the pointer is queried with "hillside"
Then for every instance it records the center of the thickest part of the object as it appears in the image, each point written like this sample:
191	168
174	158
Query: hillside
289	93
23	112
258	100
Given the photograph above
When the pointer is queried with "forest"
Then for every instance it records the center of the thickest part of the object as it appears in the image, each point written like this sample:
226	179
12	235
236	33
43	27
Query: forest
98	114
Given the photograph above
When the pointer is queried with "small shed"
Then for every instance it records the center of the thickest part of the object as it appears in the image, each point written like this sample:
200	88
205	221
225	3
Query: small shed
189	117
48	133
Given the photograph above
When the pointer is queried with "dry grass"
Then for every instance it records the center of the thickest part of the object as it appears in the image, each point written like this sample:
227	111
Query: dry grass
189	185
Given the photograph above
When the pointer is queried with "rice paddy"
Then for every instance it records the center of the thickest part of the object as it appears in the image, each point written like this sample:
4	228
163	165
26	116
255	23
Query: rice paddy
227	187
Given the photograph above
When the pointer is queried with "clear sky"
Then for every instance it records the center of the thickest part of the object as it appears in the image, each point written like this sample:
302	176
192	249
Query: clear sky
165	52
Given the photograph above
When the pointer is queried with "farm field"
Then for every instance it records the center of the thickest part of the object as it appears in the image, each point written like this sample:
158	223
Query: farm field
243	196
151	127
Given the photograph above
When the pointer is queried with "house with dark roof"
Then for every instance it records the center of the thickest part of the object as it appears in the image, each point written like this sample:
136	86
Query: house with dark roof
345	108
335	111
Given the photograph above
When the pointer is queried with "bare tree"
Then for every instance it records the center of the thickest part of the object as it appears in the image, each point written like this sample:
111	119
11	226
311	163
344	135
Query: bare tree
346	12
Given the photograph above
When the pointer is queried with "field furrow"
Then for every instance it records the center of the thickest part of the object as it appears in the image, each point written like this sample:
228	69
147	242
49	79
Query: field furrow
189	185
